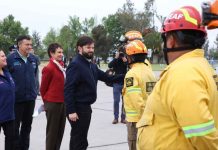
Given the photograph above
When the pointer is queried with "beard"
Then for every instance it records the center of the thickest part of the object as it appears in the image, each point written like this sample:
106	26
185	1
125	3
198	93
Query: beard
88	55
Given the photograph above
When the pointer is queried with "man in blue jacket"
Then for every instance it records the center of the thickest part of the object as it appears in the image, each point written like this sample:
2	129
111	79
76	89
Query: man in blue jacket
81	91
23	67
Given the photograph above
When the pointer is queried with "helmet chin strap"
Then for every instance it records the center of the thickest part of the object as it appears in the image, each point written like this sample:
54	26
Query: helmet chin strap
175	49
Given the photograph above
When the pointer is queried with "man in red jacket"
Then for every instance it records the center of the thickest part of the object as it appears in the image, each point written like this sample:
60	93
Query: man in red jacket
52	92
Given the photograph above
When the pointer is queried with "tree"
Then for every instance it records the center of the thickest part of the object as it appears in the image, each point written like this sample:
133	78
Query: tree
50	37
214	51
102	42
9	31
206	48
88	25
153	41
65	39
131	19
128	18
37	43
113	28
76	30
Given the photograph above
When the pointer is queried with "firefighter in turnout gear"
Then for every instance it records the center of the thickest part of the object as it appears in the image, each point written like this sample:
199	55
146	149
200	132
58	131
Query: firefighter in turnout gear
181	113
135	35
138	83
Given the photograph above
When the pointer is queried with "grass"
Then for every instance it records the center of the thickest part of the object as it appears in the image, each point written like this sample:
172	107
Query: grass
158	67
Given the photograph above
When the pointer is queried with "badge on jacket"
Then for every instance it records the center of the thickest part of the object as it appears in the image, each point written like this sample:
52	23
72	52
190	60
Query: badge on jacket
129	81
150	86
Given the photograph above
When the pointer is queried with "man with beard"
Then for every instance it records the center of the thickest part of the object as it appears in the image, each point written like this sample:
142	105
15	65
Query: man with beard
80	91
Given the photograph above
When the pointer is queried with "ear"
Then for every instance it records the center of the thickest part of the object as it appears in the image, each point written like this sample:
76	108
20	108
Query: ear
171	42
51	54
79	49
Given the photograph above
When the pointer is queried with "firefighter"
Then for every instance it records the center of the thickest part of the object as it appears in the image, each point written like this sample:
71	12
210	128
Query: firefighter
138	83
135	35
181	112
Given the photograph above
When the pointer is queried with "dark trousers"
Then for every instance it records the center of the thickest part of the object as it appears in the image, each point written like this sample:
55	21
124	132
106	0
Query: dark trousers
79	129
23	123
132	135
8	128
56	119
117	90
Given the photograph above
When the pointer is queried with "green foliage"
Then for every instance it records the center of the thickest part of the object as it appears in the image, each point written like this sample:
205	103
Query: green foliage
113	27
206	48
153	40
128	18
9	31
88	25
50	37
42	54
37	43
214	54
68	35
131	19
76	31
65	39
214	51
102	42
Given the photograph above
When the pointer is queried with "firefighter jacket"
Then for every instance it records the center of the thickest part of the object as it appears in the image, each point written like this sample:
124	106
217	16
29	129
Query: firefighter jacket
148	63
138	83
182	111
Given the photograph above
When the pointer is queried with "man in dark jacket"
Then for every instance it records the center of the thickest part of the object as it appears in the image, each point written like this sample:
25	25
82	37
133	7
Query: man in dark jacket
23	67
81	91
119	65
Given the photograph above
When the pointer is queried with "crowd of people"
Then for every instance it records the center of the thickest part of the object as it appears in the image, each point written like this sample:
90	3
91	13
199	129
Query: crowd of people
176	112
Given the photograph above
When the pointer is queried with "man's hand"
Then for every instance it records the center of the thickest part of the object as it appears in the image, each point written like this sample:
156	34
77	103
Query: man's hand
73	117
124	59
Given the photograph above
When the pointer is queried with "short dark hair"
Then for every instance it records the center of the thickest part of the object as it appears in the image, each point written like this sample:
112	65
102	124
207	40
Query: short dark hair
84	40
52	48
22	37
192	38
139	57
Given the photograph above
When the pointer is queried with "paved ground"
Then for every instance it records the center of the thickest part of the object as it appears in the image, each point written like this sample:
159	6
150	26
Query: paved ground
103	135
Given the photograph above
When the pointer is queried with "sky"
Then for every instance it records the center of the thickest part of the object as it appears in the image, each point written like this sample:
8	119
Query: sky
41	15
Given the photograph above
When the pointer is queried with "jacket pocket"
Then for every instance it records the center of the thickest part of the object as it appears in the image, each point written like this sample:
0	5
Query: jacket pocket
146	131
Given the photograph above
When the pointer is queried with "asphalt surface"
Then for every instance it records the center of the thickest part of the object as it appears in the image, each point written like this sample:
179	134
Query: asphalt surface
103	135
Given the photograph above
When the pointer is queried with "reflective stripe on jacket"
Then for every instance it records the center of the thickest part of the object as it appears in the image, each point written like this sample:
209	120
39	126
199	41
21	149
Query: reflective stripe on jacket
182	111
138	83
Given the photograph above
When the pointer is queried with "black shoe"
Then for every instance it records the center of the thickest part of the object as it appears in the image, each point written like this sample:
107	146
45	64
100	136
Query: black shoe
123	121
115	121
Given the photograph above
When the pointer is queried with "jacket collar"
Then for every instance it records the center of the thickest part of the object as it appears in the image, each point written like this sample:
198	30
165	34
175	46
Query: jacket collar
30	57
194	53
137	64
83	58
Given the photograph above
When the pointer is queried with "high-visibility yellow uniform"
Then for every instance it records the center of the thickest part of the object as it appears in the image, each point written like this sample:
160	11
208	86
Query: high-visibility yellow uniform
138	83
182	111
